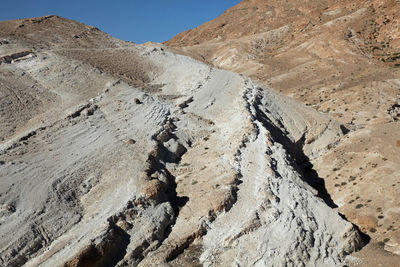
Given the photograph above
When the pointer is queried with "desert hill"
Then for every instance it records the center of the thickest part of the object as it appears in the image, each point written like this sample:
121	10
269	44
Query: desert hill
117	154
341	58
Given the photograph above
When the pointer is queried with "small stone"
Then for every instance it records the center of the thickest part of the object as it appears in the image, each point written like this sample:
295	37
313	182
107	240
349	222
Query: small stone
124	225
152	189
137	101
85	112
9	208
131	141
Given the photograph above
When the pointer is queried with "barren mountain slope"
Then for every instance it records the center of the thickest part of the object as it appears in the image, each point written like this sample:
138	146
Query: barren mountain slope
343	59
323	53
115	154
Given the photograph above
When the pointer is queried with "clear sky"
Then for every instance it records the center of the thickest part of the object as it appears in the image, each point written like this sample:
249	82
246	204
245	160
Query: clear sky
131	20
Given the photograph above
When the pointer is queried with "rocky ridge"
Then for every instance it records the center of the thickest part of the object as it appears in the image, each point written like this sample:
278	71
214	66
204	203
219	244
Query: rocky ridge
144	159
341	58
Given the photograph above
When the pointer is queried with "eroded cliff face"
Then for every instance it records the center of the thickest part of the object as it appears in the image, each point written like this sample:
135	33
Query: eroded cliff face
116	154
342	59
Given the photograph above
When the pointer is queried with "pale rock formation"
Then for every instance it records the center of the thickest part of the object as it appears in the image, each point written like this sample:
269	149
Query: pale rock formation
90	177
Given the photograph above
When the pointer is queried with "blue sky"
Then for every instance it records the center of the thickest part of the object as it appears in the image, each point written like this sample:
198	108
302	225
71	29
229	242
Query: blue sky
135	20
